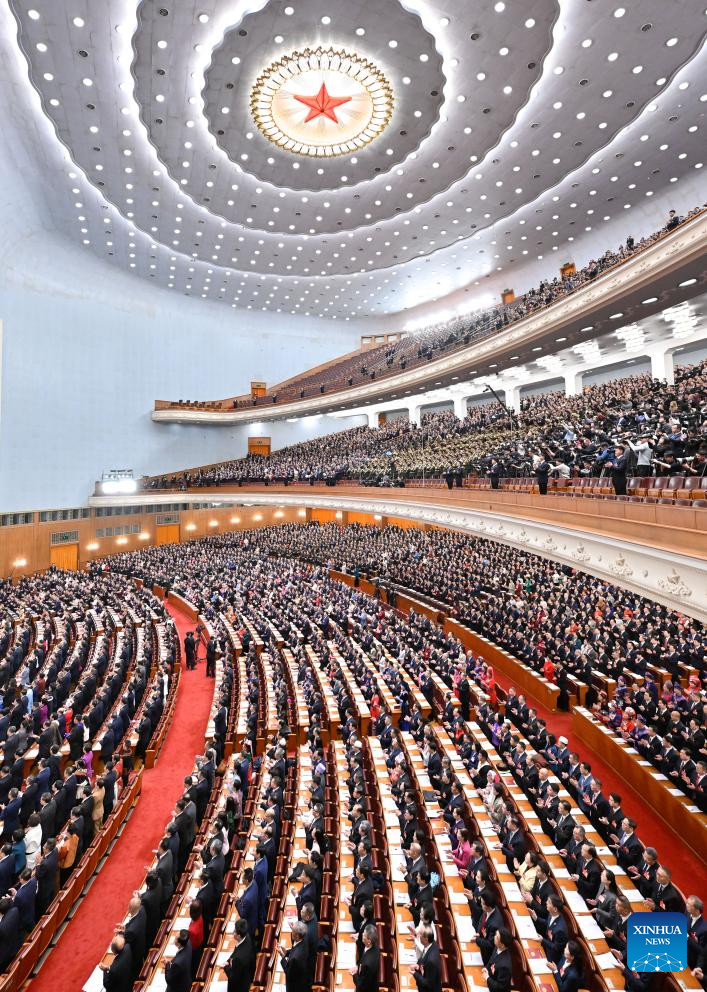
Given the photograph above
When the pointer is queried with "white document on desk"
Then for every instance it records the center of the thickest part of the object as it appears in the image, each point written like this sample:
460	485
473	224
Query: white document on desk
511	892
465	929
575	902
457	898
539	966
525	927
590	928
472	959
94	982
346	955
605	960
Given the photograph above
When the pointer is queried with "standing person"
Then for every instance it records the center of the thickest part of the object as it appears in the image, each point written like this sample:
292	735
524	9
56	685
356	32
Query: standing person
178	970
294	960
211	658
542	472
495	473
618	466
644	452
427	972
190	650
240	967
366	974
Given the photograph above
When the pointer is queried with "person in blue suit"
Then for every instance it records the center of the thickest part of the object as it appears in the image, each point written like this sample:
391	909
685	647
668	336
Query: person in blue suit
261	878
25	900
248	904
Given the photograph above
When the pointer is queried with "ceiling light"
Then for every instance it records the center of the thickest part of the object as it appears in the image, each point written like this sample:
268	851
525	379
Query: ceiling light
87	81
499	7
34	14
651	299
615	316
289	11
619	12
530	23
203	18
687	282
41	47
78	22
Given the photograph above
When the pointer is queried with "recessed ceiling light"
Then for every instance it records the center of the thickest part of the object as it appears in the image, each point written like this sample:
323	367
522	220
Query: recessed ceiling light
499	7
392	43
619	12
615	316
78	22
34	14
530	23
360	32
289	11
203	18
87	81
651	299
687	282
671	41
162	44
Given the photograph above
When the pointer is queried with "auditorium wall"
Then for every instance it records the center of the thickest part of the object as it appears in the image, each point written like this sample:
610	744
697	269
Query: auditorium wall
80	374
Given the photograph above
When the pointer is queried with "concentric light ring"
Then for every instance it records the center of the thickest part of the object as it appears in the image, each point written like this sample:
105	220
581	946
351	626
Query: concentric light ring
370	114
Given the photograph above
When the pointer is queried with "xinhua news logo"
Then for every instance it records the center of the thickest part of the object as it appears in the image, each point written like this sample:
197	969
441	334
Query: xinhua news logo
656	942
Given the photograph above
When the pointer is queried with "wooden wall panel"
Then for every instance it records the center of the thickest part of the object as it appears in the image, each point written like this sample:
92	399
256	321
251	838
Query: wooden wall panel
64	556
168	534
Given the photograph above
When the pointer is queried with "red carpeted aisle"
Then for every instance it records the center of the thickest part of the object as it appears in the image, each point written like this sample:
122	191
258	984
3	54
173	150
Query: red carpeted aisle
87	936
688	873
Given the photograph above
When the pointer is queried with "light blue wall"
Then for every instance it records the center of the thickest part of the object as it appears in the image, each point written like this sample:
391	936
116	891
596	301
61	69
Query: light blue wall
80	375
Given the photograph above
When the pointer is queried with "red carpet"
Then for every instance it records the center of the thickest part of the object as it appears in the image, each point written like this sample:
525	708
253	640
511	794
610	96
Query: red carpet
688	873
83	942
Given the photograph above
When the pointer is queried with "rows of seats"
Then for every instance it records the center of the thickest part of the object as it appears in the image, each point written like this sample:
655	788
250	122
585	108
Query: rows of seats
314	643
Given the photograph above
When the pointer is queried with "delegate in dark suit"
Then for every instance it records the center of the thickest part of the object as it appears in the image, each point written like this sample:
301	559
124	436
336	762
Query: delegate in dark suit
178	970
367	975
240	967
429	978
500	971
119	977
294	963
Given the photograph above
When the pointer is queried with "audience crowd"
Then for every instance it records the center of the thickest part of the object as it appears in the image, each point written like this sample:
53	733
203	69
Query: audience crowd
635	426
76	683
257	574
416	349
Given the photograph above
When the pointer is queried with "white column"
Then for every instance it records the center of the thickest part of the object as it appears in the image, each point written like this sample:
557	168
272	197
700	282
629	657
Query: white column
415	414
372	418
460	406
573	383
512	394
662	365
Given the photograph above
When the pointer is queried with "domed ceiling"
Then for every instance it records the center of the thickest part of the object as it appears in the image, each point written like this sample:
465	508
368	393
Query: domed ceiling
358	157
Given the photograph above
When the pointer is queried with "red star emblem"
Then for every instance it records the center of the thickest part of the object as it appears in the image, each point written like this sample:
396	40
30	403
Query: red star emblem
322	104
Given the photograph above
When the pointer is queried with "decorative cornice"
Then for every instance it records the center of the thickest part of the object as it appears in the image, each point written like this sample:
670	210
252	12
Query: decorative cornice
677	581
684	244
